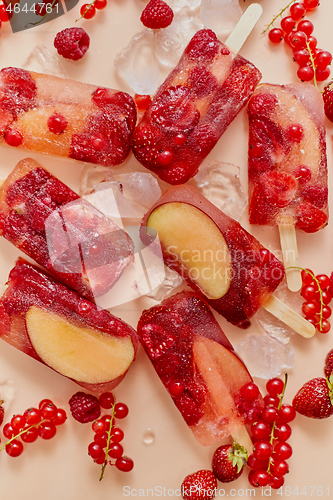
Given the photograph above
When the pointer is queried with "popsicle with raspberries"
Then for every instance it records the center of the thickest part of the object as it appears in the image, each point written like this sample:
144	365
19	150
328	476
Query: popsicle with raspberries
54	325
196	103
63	117
287	164
218	258
65	234
209	384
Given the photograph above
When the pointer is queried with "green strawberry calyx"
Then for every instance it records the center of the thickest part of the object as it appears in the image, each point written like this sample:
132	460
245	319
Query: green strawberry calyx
329	382
237	455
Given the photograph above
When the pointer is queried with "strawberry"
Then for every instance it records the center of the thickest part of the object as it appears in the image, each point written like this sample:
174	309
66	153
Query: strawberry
157	14
328	100
228	462
328	369
2	411
201	485
315	398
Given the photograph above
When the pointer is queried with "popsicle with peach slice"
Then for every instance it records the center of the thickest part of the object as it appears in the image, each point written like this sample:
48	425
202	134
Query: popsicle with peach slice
288	165
219	259
196	103
197	365
66	235
63	117
44	319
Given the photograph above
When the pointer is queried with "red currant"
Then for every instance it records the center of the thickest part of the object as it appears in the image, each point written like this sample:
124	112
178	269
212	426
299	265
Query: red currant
269	414
125	464
302	57
307	278
44	402
326	312
117	435
17	422
312	41
276	482
275	35
324	327
13	138
282	431
309	292
323	59
100	4
305	26
88	11
287	24
262	450
287	413
256	464
57	123
298	40
280	468
261	430
116	450
176	389
95	450
8	431
310	309
295	132
274	386
14	448
101	439
99	426
322	74
326	297
283	450
106	400
310	4
260	478
271	400
297	11
250	391
49	411
60	417
305	73
30	435
120	410
32	416
47	429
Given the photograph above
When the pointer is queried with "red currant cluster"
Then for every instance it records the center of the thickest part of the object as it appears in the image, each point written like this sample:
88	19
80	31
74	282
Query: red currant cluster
107	437
88	10
317	292
297	33
34	422
268	461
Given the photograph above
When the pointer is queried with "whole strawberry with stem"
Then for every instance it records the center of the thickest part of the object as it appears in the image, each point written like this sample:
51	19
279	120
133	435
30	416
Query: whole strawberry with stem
201	485
328	368
2	411
228	462
315	398
328	100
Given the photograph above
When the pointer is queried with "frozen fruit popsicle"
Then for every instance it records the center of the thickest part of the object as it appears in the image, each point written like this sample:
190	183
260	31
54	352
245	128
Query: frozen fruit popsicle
44	319
287	158
66	235
218	258
63	117
193	107
198	367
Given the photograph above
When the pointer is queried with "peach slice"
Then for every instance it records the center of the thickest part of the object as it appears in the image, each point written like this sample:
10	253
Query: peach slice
174	223
80	353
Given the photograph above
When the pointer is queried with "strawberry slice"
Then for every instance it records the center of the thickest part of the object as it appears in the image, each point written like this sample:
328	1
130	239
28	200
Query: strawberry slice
309	218
18	90
175	110
279	188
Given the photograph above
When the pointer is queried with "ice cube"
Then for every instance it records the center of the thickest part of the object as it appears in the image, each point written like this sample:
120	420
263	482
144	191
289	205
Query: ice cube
141	187
265	357
42	60
162	283
220	15
171	41
220	184
192	4
138	64
91	176
7	391
273	326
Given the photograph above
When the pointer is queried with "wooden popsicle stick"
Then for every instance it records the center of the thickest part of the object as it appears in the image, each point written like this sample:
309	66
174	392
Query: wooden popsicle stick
288	316
244	27
242	437
290	256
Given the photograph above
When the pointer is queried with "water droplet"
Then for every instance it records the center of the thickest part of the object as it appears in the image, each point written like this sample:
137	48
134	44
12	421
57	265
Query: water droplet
149	436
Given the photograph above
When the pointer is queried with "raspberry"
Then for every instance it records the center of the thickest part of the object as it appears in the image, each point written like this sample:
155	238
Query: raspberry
84	407
72	43
157	14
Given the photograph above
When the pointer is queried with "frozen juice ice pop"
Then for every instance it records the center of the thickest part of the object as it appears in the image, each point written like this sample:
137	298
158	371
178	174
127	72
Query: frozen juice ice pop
63	117
287	157
193	108
63	233
214	253
198	367
44	319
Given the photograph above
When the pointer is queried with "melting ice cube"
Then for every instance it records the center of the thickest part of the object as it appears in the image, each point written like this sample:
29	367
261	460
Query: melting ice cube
138	64
220	15
220	184
41	59
91	176
161	283
171	41
265	357
179	4
7	391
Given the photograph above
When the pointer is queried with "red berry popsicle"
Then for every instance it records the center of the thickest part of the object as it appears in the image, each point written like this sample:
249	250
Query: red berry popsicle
218	258
207	381
193	108
287	158
63	117
66	235
44	319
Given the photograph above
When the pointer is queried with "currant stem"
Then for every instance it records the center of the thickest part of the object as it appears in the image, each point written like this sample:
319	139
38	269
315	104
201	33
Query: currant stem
107	443
278	15
17	435
90	5
274	423
312	64
47	13
320	292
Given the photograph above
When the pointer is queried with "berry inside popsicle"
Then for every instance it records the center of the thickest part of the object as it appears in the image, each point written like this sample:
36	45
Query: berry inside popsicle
63	117
66	235
193	108
197	365
218	258
44	319
287	157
